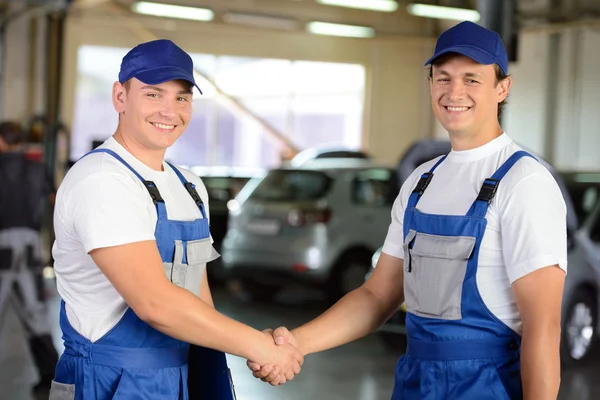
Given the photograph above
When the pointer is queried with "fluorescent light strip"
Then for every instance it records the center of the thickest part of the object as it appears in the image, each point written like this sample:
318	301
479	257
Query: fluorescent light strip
374	5
439	12
172	11
325	28
260	21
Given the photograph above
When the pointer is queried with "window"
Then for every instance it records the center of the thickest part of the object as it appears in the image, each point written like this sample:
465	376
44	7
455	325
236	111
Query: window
375	188
312	103
288	185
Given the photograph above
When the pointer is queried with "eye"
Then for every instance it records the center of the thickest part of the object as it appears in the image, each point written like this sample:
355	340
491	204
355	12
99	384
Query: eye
153	95
471	81
443	80
182	98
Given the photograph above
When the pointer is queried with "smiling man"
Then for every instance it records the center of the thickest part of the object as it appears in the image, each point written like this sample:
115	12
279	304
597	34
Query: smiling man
132	243
476	248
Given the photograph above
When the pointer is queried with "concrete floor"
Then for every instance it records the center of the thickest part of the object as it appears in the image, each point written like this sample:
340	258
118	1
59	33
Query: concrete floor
362	370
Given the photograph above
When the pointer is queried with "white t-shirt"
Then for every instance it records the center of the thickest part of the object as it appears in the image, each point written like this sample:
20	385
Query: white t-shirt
101	203
526	227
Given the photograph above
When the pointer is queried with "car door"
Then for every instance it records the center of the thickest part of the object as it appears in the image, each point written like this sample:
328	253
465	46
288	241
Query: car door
373	192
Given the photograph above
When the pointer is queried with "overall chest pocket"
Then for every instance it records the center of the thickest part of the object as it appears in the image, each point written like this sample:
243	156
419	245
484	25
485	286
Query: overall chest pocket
434	272
189	263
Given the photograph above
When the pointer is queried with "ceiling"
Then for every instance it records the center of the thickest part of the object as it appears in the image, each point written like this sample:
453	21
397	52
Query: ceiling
398	23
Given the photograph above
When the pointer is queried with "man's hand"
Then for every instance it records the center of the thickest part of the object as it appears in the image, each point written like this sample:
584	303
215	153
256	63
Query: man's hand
270	373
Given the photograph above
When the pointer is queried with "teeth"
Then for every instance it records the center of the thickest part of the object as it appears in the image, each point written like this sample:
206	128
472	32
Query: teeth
457	108
163	126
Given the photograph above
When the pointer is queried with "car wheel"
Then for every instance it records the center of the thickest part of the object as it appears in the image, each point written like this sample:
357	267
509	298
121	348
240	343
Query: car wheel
262	292
579	331
349	274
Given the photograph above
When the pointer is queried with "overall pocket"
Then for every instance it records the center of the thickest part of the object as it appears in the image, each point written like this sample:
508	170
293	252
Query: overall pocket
434	273
189	263
62	391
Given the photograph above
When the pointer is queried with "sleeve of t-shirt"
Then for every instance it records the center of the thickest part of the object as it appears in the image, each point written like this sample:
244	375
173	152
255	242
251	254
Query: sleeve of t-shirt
394	240
109	210
534	226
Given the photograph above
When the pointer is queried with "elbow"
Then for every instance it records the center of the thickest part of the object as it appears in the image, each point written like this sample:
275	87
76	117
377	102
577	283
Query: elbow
383	308
543	331
146	314
150	309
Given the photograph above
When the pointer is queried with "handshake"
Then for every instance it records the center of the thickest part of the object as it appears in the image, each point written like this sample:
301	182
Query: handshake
283	359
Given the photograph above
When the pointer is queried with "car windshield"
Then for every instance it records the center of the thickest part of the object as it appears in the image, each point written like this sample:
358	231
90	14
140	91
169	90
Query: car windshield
292	185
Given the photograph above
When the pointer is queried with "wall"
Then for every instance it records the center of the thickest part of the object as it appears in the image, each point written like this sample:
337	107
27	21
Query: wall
554	103
396	101
23	87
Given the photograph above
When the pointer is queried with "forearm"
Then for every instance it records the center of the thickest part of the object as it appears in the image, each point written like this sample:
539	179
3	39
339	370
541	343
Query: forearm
540	364
357	314
180	314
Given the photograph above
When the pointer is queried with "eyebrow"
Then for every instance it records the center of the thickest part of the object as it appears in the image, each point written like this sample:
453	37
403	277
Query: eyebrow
161	90
468	74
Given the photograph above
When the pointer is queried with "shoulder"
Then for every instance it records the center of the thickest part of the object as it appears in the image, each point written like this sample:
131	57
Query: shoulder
528	170
102	175
530	185
99	165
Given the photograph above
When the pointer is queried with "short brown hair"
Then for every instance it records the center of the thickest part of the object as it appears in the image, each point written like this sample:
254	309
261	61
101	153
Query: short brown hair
500	76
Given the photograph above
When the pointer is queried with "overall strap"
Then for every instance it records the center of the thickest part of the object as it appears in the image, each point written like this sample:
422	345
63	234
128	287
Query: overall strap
422	184
490	185
191	188
157	199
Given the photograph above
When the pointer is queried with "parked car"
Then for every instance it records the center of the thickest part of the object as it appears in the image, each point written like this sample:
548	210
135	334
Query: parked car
581	297
222	184
315	225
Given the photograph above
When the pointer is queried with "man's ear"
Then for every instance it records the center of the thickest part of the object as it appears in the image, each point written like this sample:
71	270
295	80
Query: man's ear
119	95
503	88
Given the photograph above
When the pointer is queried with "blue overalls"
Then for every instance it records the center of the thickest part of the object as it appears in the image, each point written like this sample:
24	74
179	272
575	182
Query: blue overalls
134	360
457	349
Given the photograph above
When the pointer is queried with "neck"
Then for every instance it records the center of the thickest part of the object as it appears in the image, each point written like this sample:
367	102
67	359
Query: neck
471	140
152	158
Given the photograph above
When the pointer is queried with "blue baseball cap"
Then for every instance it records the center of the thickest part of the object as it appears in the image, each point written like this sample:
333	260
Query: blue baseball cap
474	41
156	62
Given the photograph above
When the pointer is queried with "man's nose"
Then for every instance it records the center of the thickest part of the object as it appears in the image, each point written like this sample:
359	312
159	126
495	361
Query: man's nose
168	107
456	90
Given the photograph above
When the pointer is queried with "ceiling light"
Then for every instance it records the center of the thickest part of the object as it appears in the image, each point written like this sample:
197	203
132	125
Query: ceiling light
172	11
374	5
429	11
325	28
260	21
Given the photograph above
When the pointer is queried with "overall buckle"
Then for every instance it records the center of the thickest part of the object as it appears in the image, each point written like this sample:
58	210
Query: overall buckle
423	183
192	191
488	190
154	193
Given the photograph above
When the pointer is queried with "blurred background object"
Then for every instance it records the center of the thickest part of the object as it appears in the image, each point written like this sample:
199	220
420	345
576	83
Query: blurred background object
313	114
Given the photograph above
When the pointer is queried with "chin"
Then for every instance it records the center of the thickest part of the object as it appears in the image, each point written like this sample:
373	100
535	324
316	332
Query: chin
455	126
163	141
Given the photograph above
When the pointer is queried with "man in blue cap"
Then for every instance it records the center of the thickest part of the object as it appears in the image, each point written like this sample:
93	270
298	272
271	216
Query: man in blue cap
476	249
132	243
